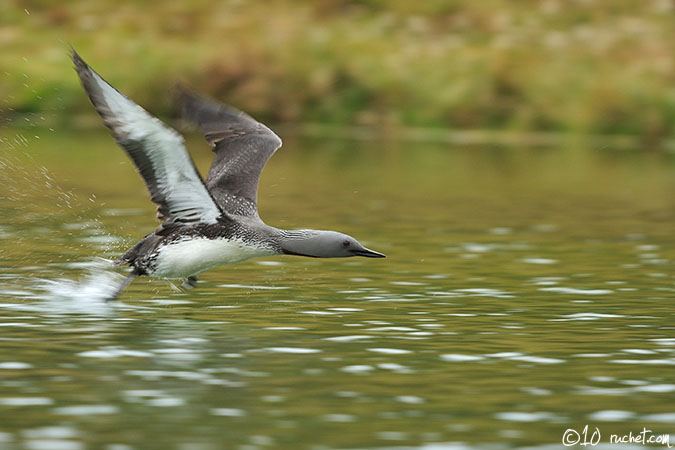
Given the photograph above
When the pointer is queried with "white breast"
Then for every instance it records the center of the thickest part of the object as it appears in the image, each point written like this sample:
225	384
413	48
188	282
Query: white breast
192	256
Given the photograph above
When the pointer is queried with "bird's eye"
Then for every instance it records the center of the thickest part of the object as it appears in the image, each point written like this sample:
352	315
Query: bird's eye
345	244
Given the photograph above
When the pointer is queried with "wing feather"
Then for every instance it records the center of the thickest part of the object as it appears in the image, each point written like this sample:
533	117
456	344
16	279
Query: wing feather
157	150
242	146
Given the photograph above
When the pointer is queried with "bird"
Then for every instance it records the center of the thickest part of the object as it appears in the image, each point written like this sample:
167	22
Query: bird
209	222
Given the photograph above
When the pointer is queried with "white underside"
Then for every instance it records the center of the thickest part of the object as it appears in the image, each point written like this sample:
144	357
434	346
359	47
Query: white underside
190	257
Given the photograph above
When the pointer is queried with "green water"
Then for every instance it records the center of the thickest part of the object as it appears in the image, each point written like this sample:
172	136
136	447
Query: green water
526	292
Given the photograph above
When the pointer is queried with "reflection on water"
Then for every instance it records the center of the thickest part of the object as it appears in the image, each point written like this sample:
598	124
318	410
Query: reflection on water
525	292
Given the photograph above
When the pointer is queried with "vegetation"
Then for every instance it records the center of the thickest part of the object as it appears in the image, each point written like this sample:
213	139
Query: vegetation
588	66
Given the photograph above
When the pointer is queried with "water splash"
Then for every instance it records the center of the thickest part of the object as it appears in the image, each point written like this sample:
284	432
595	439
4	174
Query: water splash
98	283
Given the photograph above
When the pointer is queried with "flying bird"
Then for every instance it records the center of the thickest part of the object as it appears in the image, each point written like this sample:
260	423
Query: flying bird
204	223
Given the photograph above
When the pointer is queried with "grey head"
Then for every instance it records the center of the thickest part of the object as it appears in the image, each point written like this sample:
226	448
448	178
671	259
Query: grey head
323	244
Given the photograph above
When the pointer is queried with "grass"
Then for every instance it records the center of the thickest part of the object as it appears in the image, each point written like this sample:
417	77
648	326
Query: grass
591	67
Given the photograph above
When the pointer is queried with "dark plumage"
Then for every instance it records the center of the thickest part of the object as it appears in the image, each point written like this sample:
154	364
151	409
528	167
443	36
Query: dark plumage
242	146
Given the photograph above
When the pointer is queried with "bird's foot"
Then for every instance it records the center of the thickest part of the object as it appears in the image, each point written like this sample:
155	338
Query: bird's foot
127	281
190	282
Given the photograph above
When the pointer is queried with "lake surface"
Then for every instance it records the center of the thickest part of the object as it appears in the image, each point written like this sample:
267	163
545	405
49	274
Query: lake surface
526	292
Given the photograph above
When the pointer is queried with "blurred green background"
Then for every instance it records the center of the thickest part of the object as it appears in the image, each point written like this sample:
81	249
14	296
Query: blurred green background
526	290
589	67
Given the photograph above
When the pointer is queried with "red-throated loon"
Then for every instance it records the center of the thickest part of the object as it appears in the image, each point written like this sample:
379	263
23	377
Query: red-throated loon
204	223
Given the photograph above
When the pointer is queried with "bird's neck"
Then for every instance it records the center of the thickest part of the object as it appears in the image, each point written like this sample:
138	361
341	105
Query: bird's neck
299	242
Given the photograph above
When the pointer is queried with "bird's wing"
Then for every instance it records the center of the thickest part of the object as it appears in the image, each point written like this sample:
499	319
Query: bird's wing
157	151
242	146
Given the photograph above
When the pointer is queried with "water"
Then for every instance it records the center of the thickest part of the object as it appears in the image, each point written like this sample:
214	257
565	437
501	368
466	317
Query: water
526	291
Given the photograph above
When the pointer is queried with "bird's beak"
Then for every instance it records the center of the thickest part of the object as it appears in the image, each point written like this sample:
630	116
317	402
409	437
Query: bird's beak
368	253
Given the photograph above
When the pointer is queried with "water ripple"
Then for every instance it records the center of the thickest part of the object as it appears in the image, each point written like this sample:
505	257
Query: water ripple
228	412
389	351
25	401
349	338
586	316
86	410
455	357
516	416
577	291
296	350
109	353
611	416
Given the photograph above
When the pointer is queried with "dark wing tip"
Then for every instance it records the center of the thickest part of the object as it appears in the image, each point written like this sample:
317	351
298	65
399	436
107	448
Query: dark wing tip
215	120
88	79
196	107
219	121
188	100
86	75
182	93
80	65
94	87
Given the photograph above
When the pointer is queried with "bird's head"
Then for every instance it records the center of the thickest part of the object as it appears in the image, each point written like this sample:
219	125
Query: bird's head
324	244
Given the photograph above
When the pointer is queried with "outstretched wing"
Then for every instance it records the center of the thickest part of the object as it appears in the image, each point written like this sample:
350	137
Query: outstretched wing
242	146
157	151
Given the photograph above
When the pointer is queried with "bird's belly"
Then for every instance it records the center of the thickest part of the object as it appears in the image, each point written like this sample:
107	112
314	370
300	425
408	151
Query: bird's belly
188	257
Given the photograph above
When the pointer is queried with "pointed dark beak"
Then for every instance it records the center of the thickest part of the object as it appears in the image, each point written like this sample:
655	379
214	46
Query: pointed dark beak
368	253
